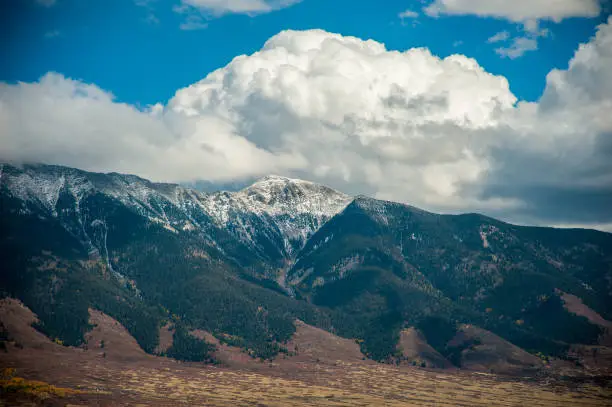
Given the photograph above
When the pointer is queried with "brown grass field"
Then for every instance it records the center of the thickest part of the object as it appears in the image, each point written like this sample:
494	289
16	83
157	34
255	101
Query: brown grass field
327	371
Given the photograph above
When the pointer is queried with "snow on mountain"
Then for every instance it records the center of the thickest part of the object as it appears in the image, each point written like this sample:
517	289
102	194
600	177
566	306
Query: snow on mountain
278	196
274	216
42	188
287	209
42	185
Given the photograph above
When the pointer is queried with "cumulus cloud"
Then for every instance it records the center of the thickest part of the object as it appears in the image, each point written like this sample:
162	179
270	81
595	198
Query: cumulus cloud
559	155
356	111
442	134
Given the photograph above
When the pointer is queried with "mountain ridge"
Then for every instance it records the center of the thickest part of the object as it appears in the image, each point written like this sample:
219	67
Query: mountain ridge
361	198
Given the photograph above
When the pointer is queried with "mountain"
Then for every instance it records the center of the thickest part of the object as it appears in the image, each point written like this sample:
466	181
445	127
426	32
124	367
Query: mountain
503	277
274	217
246	265
211	258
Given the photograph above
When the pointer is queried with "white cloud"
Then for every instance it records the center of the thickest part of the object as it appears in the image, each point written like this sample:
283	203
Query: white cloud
251	7
519	46
517	10
533	28
198	11
560	155
588	81
500	36
527	13
442	134
78	124
408	14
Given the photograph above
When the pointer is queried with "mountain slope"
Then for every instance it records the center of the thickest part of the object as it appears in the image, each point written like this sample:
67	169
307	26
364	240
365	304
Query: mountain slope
245	265
466	268
123	242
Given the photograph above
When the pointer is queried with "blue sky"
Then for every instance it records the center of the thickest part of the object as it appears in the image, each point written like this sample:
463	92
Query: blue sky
141	55
503	110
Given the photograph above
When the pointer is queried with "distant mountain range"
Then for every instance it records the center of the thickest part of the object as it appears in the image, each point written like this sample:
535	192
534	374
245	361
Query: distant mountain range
245	265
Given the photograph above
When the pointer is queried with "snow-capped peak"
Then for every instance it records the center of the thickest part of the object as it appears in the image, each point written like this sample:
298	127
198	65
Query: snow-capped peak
276	195
281	211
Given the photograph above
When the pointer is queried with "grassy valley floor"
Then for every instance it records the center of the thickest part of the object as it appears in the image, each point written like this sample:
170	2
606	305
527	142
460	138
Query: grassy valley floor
120	374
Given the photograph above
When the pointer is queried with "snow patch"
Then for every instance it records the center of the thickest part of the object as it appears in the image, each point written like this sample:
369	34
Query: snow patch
294	209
